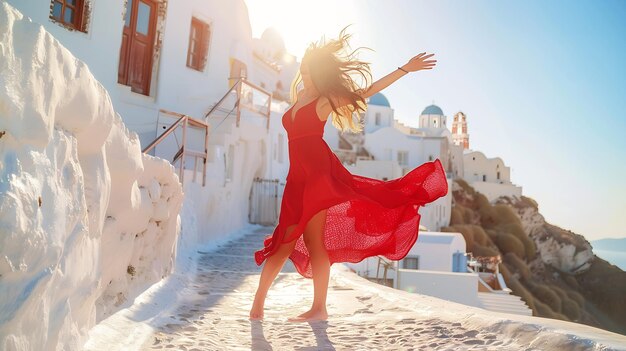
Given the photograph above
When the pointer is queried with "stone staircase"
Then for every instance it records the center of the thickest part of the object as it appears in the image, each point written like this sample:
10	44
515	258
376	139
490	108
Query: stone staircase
503	302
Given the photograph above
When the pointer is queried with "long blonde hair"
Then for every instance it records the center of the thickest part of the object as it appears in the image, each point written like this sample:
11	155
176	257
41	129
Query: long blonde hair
331	69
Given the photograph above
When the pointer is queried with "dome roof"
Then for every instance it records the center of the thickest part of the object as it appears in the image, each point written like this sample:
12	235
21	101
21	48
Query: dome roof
273	38
378	99
432	110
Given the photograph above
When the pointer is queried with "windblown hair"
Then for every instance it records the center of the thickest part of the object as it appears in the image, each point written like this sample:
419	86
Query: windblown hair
332	69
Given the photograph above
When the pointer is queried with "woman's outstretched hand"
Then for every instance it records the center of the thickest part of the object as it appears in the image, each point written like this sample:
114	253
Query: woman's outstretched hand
419	62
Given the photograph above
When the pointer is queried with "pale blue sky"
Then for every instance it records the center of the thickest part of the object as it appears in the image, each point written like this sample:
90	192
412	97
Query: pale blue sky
543	85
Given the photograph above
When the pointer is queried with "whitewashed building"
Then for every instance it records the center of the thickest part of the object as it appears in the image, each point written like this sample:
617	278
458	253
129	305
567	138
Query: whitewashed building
437	265
183	57
488	176
388	149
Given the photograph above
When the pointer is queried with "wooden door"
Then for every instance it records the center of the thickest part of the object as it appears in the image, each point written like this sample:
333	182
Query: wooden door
135	66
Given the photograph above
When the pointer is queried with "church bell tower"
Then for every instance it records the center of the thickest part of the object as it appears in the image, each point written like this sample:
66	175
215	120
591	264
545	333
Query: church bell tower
459	130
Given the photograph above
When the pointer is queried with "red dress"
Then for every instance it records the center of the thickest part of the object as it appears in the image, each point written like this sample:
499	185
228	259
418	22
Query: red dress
366	216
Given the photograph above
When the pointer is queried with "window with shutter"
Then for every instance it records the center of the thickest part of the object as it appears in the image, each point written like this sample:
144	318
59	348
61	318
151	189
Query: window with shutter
198	49
69	13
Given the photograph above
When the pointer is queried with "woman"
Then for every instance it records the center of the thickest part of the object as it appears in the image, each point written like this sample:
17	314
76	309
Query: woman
327	214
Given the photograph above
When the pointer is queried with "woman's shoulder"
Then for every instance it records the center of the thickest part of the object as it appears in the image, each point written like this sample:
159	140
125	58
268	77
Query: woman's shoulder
323	108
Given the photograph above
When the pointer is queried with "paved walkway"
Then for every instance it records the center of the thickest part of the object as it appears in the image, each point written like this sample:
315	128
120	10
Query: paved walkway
362	315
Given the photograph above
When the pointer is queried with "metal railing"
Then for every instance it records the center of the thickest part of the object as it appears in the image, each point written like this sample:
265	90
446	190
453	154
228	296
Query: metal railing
245	92
184	122
387	265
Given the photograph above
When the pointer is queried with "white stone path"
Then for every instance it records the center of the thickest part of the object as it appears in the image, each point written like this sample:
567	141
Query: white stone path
362	315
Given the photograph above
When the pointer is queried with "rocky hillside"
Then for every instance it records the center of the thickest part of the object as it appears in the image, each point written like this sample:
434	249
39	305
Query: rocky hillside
554	270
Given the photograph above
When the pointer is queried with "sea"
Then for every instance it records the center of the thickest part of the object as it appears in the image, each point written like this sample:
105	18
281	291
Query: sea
617	258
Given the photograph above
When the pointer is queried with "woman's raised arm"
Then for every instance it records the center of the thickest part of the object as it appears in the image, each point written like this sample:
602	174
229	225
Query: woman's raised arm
417	63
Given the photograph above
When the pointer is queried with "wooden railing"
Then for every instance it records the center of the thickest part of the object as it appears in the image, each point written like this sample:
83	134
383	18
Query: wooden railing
245	91
184	122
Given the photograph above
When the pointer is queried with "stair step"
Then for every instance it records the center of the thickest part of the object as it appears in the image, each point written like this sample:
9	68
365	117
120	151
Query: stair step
516	306
508	305
512	298
512	302
495	294
526	312
499	298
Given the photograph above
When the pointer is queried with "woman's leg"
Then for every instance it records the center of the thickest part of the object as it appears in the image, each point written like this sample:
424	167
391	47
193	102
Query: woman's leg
271	268
314	241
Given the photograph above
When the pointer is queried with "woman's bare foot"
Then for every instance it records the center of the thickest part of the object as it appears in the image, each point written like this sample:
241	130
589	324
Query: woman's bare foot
256	312
310	315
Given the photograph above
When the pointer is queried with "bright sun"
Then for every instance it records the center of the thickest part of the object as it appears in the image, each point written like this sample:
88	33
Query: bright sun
302	22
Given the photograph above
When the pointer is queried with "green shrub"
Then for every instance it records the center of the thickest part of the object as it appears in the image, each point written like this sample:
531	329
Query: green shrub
547	296
481	201
509	243
516	229
492	233
505	214
571	281
545	311
468	214
479	235
488	217
480	250
559	291
456	216
517	265
571	309
576	296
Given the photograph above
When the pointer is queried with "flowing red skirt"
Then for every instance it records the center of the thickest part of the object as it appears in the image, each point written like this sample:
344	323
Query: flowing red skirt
366	216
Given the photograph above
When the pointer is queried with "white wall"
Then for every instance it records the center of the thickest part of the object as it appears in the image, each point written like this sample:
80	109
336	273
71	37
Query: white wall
385	143
482	174
436	214
87	221
386	117
477	165
456	168
180	89
105	29
175	86
457	287
435	250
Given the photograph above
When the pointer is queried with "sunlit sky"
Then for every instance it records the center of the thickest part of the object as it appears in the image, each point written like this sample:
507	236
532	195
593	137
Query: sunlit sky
543	85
